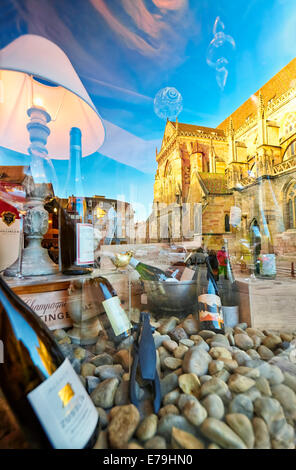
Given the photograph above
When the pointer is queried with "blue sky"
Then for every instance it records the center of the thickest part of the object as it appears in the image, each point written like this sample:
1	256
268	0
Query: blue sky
125	51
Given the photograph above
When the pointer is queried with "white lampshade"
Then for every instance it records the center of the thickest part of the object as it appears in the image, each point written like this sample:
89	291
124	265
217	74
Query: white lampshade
66	101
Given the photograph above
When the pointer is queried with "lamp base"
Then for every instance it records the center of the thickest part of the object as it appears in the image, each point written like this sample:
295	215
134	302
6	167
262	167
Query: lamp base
35	262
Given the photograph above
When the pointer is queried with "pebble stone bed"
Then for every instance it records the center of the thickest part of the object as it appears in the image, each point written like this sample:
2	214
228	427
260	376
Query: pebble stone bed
218	391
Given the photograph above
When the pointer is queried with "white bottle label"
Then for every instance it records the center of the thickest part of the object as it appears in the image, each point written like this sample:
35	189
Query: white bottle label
209	306
85	244
116	315
63	407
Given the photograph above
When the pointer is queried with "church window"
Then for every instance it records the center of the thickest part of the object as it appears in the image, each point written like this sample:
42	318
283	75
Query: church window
289	124
226	222
291	206
291	151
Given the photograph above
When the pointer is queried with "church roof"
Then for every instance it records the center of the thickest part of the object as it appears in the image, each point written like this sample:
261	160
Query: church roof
13	174
275	87
193	128
214	183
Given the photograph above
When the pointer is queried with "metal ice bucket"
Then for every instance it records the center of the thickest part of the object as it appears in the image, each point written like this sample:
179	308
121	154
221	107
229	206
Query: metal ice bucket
171	298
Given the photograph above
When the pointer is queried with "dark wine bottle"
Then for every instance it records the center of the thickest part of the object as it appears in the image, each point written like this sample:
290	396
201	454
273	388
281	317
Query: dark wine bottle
149	273
40	385
76	233
209	304
117	317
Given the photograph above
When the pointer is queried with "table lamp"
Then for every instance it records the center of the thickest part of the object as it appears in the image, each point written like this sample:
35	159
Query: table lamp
41	99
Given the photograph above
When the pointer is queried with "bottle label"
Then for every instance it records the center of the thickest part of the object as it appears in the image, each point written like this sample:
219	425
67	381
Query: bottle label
210	309
116	315
64	409
85	244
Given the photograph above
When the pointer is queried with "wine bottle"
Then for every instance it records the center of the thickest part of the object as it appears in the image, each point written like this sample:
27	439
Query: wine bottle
40	385
209	304
149	273
117	317
76	232
230	293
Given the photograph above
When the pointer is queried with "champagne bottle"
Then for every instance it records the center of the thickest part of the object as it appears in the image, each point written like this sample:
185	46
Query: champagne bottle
149	273
117	317
76	228
209	304
44	392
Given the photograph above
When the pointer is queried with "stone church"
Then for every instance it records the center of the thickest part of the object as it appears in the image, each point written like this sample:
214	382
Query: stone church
247	164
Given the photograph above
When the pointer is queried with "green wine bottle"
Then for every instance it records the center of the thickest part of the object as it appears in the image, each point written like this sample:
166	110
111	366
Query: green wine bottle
147	272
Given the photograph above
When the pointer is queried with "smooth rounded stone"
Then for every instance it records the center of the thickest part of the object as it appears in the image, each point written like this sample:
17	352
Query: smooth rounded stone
187	342
60	334
213	446
242	404
101	344
134	445
242	326
265	353
122	396
263	386
183	440
271	372
218	353
283	438
180	351
241	357
168	383
242	426
204	378
108	372
156	442
103	359
239	383
104	394
243	341
287	398
168	325
271	411
65	340
255	331
248	372
253	354
80	353
102	441
230	338
185	398
272	341
222	339
167	423
284	346
214	385
256	341
196	360
178	333
82	380
200	343
190	325
87	369
147	428
171	397
230	364
167	410
214	406
223	375
215	366
206	334
221	434
103	417
290	381
286	336
126	343
170	345
172	363
76	364
261	434
123	357
123	426
162	354
253	393
189	384
159	339
195	412
91	383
